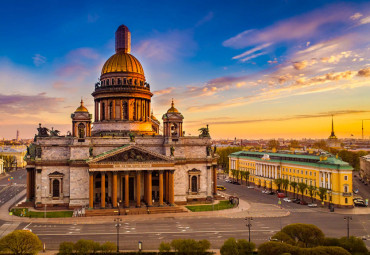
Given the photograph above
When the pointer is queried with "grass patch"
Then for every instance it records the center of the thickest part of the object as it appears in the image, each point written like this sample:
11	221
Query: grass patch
31	214
224	204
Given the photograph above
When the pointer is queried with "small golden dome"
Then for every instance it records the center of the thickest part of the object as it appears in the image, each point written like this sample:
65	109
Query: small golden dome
172	109
122	62
81	108
153	117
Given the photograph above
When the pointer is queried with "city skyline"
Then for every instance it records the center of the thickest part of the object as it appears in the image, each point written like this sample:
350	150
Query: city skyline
247	71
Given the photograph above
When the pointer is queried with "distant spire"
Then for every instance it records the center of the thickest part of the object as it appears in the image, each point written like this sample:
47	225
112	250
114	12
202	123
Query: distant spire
332	135
172	104
123	39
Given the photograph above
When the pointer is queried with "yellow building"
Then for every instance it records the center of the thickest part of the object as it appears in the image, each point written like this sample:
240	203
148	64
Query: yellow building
326	171
17	151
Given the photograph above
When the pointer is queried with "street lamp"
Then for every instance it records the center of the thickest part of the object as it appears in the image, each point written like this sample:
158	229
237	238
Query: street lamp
119	211
329	193
118	225
249	225
348	218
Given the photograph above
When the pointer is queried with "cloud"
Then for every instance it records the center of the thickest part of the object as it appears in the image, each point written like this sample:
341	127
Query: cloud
364	21
205	19
272	61
364	72
293	117
30	104
309	25
248	52
163	91
355	16
252	56
300	65
38	59
167	47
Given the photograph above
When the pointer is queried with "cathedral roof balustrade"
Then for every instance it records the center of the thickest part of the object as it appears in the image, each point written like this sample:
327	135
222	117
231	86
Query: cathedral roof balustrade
127	88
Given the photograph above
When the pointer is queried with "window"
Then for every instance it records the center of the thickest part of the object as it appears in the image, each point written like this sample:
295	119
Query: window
112	81
194	184
301	171
81	130
314	174
346	200
290	170
107	82
119	81
306	172
345	188
56	188
310	173
346	178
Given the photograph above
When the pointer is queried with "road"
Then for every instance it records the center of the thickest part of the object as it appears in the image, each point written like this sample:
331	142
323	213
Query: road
10	188
152	231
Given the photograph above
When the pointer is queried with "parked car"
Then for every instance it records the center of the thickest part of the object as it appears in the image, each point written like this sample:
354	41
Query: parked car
287	199
250	187
359	202
265	191
228	180
236	183
280	195
312	205
271	193
220	187
303	202
355	191
297	201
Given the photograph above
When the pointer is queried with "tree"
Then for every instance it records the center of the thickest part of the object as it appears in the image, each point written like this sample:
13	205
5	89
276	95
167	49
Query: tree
9	162
294	186
320	145
237	173
246	175
273	144
66	248
274	248
21	242
83	246
285	184
311	190
305	235
322	193
354	245
278	183
223	154
240	247
302	187
164	247
242	174
190	246
233	173
108	248
294	144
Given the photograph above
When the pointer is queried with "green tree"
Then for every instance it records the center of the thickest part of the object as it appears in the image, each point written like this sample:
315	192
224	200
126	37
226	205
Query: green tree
238	172
223	154
302	188
311	190
190	246
233	173
273	144
9	162
164	247
283	237
354	245
305	235
322	193
21	242
278	182
83	246
108	247
285	184
237	247
246	175
66	248
294	186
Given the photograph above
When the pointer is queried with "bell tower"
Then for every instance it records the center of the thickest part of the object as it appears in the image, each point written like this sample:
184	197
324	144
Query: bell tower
81	122
172	123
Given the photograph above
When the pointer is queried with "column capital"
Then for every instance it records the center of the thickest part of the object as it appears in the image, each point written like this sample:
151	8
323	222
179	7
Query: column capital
161	171
149	171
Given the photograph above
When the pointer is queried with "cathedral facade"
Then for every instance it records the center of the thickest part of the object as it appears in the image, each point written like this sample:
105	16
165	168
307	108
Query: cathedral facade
119	157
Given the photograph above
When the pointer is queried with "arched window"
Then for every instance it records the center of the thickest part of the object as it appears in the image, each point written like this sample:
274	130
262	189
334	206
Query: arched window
81	130
112	81
110	110
107	82
56	188
124	81
124	110
173	129
194	184
119	81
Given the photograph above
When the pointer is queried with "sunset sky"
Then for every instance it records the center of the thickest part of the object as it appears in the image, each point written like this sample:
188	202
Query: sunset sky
249	69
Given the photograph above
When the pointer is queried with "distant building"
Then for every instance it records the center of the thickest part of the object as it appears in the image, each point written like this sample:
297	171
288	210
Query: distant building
333	141
365	167
325	171
18	151
17	138
2	166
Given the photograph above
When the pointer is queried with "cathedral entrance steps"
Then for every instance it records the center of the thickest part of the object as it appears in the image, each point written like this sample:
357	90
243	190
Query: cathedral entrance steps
134	211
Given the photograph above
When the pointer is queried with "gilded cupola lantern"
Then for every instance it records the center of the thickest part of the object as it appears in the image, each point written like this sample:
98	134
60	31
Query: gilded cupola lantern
81	122
172	122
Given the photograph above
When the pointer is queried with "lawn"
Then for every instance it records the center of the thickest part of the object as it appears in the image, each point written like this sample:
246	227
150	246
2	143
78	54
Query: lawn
224	204
57	214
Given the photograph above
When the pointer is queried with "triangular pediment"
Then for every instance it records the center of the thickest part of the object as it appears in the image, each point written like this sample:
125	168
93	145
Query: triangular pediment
129	154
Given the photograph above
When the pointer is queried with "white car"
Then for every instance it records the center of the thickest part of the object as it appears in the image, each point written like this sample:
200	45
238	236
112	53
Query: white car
287	199
312	205
250	187
265	191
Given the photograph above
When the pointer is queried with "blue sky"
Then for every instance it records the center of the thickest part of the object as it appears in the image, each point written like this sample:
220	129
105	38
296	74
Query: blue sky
248	68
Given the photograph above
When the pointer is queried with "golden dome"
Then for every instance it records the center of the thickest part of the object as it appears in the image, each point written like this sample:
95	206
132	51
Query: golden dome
122	62
172	109
81	108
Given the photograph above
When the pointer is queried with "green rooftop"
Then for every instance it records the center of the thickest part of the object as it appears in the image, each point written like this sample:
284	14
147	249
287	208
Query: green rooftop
329	161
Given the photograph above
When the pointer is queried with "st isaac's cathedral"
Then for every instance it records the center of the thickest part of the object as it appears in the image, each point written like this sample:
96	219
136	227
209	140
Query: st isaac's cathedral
121	159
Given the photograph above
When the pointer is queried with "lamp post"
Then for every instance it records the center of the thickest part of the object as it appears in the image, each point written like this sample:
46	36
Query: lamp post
249	225
118	225
119	211
348	218
329	193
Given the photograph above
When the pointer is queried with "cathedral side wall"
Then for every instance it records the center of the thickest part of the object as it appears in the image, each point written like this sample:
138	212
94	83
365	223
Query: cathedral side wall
79	191
46	185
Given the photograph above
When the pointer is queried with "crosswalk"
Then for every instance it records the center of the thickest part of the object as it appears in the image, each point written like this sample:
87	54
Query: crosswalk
8	227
